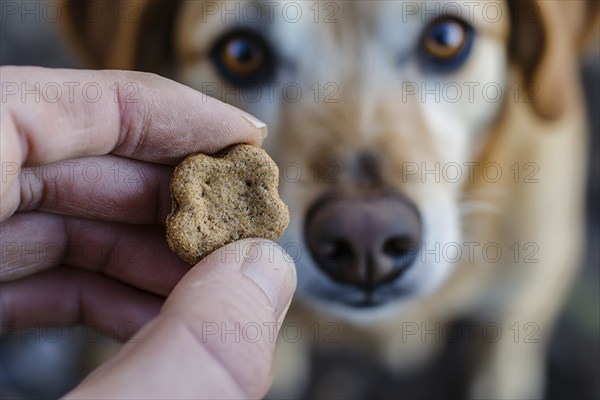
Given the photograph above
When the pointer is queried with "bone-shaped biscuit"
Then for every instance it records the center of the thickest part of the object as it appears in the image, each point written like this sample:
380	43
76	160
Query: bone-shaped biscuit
224	198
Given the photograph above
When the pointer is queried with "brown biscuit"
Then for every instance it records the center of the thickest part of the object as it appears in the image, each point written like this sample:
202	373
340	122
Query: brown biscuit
224	198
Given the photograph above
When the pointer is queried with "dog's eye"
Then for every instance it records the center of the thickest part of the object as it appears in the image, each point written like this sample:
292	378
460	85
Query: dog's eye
242	55
447	43
243	58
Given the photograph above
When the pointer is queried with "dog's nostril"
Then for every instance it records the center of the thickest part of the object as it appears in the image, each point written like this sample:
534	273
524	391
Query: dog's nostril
401	248
335	251
397	246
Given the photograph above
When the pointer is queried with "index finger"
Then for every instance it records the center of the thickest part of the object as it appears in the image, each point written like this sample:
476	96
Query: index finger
59	114
50	115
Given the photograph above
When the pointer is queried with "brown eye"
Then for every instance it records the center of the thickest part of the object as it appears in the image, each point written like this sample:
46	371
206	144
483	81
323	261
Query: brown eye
447	39
243	58
242	55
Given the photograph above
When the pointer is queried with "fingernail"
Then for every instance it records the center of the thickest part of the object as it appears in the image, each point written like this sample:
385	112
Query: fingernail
267	264
256	123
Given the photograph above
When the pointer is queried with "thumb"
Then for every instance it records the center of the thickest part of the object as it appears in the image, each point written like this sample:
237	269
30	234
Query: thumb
215	335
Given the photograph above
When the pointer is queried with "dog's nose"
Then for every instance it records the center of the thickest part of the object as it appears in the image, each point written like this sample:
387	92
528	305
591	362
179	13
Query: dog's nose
363	242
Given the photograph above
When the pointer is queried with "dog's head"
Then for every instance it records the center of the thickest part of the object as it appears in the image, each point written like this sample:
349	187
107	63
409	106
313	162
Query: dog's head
377	112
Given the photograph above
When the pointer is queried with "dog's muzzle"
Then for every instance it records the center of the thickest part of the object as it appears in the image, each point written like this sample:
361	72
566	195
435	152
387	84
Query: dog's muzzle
366	242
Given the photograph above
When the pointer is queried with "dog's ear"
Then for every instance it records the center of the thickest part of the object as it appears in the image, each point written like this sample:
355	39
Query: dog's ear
547	41
122	34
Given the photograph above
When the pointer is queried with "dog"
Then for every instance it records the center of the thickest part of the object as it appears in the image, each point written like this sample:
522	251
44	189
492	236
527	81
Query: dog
432	155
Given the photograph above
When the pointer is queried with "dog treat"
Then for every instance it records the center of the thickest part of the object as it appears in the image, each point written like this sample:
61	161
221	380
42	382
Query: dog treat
223	198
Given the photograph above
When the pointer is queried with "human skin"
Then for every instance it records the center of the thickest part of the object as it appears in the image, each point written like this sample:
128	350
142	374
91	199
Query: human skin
247	282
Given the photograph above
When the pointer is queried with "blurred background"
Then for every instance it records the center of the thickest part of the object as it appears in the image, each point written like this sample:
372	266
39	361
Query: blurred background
47	364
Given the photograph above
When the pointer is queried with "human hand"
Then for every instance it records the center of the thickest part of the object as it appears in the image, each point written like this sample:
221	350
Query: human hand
85	193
